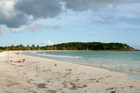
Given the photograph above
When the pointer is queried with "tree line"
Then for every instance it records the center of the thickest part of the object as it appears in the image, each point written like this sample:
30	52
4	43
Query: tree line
73	46
21	47
88	46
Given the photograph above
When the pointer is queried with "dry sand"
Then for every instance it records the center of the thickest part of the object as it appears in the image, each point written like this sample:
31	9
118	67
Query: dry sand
41	75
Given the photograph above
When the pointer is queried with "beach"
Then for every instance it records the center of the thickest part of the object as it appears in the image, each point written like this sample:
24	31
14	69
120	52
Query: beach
42	75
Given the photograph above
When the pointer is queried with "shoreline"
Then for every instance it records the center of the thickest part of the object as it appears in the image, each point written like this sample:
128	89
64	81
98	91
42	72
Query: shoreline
66	50
135	74
43	75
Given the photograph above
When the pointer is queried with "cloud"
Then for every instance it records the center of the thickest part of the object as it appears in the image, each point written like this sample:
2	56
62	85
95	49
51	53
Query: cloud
16	13
48	43
19	15
110	6
94	5
1	29
56	27
34	27
136	45
39	8
104	20
21	28
129	10
9	16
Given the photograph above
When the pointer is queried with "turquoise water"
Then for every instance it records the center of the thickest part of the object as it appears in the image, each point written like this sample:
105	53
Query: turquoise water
122	61
123	55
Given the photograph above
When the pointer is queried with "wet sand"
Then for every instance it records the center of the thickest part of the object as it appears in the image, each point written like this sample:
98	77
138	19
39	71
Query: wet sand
41	75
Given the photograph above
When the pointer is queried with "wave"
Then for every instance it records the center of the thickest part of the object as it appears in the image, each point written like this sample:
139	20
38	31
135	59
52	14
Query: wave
60	56
115	68
111	64
34	52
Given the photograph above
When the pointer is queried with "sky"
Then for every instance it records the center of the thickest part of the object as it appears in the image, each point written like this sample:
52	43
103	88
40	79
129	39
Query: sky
48	22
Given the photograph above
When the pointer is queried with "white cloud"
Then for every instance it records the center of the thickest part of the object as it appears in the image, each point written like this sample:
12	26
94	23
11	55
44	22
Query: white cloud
9	16
16	14
110	6
19	15
21	28
34	27
104	20
56	27
129	10
7	8
48	43
135	45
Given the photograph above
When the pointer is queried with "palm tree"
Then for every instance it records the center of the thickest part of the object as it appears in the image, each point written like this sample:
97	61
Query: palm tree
37	48
12	47
21	47
27	47
33	47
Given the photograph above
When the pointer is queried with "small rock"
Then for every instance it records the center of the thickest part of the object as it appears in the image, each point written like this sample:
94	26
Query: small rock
68	69
73	86
113	92
97	81
51	91
131	86
109	89
84	86
41	85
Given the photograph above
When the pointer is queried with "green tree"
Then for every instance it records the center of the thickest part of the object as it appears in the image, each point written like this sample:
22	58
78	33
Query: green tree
12	47
37	48
33	47
55	48
27	47
21	47
90	46
17	47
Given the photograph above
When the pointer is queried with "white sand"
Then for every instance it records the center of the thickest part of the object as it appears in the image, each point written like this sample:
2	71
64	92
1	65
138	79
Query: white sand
41	75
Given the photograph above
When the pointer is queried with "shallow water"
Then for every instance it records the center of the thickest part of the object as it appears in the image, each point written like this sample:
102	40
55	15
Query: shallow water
122	61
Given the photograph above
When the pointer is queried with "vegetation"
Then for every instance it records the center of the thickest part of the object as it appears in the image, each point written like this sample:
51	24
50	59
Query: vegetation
21	47
2	49
73	46
89	46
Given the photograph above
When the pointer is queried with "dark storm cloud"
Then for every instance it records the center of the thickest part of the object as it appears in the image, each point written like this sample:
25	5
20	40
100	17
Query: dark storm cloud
39	8
15	13
9	16
94	5
15	21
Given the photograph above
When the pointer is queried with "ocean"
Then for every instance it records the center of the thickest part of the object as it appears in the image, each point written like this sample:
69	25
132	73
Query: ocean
122	61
